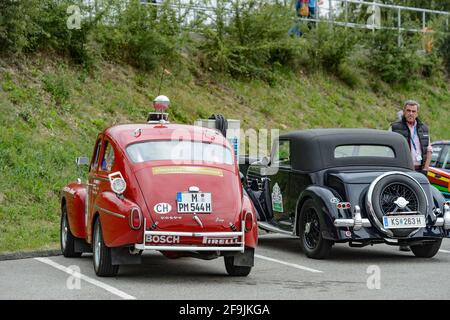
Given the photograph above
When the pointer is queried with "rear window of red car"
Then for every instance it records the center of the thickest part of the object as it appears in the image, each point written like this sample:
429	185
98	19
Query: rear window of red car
179	152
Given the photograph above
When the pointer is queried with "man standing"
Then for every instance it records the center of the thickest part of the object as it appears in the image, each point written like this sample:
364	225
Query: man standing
417	135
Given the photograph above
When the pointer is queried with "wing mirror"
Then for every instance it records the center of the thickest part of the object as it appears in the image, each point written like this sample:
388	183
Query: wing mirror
265	161
82	161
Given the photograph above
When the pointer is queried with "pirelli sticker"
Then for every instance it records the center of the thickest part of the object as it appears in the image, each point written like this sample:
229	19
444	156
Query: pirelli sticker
187	170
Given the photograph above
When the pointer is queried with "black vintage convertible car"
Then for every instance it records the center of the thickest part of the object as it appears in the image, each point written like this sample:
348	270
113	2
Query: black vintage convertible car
353	186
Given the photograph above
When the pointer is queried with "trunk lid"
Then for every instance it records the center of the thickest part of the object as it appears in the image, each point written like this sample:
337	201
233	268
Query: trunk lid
161	186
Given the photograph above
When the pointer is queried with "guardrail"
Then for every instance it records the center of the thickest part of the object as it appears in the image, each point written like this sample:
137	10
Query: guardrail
333	11
336	12
374	21
330	12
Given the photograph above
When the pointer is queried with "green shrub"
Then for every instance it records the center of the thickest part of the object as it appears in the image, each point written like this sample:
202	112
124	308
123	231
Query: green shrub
31	25
252	43
19	30
391	62
67	42
141	35
57	89
443	48
329	47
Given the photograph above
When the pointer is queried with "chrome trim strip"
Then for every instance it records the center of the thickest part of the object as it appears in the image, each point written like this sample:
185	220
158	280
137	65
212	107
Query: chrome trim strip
269	227
370	206
193	234
140	246
101	178
118	215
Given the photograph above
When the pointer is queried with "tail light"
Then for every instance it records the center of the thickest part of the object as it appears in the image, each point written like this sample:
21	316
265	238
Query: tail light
135	218
343	205
248	221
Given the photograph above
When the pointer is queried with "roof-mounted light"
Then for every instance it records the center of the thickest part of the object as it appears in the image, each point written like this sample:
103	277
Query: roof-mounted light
160	103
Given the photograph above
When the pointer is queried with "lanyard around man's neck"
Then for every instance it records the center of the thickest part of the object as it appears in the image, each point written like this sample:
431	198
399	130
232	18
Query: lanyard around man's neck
414	135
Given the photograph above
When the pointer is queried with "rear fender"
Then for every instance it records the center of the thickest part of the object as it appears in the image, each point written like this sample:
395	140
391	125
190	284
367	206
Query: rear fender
322	197
438	198
114	213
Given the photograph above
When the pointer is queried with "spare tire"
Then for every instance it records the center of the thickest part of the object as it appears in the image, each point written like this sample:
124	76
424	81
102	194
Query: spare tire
395	193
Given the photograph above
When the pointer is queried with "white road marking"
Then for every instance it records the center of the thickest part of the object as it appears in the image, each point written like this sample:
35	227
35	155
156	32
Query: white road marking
293	265
444	251
97	283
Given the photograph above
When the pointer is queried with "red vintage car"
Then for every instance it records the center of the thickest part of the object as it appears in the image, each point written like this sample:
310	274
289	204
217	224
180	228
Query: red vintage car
159	186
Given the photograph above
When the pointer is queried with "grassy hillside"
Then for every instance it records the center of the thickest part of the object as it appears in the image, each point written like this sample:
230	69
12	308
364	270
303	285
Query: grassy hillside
51	112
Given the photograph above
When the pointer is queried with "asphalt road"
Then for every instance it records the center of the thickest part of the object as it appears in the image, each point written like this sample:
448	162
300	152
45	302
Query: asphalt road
281	271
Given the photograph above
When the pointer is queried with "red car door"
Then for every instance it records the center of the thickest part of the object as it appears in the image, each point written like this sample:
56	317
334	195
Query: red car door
92	187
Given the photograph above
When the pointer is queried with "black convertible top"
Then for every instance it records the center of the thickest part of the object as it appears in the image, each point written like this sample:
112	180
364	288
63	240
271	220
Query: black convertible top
313	150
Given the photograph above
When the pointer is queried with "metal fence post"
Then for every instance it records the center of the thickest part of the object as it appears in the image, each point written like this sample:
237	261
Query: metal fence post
424	22
346	13
330	14
329	10
399	25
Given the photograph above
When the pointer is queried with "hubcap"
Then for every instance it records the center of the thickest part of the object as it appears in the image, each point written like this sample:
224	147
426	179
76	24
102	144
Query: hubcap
64	232
401	202
308	227
97	247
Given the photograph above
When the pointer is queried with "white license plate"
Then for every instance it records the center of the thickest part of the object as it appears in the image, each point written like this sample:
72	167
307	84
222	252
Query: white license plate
195	202
403	222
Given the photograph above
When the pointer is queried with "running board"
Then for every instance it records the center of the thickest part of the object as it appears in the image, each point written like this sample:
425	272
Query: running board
268	227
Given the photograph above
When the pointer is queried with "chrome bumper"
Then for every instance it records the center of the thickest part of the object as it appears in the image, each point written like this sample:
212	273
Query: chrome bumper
356	222
444	221
238	246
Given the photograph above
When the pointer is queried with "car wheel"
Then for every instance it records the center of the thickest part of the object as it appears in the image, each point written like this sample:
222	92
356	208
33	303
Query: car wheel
102	254
311	224
428	250
67	240
236	271
395	194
